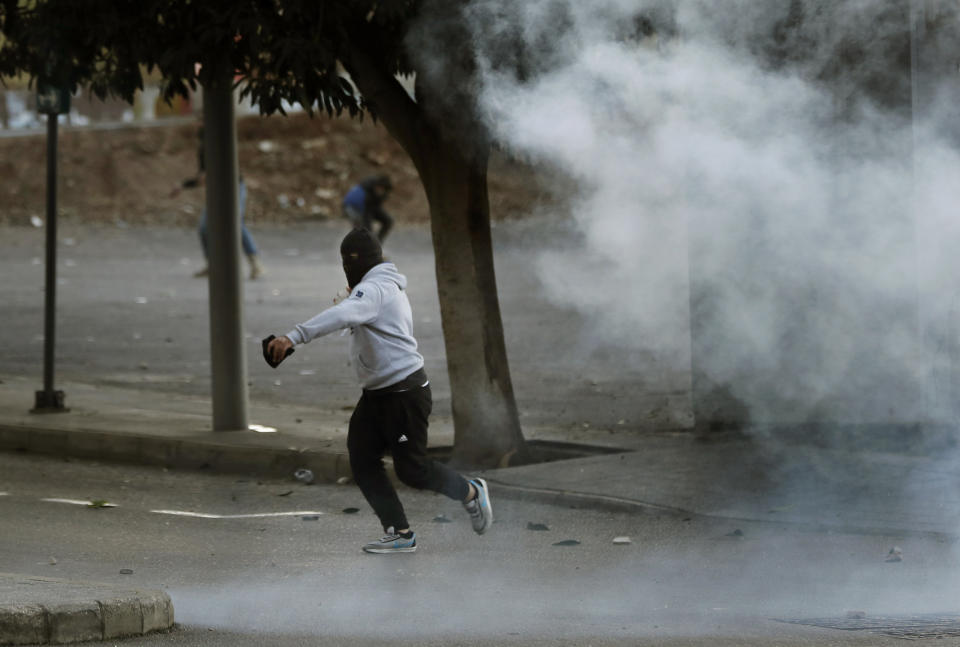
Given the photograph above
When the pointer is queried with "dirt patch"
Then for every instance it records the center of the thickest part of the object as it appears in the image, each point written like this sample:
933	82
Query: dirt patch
297	170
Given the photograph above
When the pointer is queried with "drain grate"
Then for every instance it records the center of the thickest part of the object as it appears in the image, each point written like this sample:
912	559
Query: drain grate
908	627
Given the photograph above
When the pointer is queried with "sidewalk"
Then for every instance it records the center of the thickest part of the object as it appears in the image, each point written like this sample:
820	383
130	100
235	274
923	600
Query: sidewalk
727	477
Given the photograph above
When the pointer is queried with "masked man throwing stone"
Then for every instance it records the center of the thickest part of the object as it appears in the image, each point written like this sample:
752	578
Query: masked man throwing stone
392	414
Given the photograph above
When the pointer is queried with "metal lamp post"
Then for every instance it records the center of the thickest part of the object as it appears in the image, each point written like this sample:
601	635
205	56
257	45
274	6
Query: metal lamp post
51	101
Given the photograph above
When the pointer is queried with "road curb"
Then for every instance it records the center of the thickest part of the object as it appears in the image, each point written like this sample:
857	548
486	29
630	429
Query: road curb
101	612
607	503
328	466
573	499
185	453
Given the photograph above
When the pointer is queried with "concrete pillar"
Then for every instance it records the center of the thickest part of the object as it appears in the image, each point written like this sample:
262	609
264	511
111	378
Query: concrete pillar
227	351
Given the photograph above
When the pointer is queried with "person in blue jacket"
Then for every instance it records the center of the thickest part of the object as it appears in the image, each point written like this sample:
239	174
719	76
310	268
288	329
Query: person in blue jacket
364	203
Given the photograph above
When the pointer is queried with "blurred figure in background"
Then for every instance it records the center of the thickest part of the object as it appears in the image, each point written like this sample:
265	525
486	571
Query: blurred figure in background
249	247
364	203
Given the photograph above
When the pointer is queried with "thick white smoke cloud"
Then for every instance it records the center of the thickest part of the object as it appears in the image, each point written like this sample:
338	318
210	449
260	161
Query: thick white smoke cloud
782	207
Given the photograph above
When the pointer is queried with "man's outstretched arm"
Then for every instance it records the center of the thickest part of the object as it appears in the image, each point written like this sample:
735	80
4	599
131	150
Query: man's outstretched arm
362	306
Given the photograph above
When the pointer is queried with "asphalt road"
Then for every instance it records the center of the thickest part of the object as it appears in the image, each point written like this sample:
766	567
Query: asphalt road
131	314
282	580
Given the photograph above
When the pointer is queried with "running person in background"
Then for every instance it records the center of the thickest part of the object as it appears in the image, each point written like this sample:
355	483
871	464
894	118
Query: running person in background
364	203
249	247
392	414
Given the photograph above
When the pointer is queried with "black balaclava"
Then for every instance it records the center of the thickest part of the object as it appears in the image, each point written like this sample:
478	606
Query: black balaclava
360	251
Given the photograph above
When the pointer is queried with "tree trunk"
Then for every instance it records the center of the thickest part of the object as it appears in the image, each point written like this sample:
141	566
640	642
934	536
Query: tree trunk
454	175
4	114
486	422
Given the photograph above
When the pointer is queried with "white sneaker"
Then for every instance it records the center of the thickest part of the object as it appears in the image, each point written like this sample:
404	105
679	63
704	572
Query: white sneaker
392	542
479	508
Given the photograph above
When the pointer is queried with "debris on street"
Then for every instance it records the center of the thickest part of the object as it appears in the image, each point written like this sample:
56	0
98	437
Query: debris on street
895	555
441	518
351	510
304	475
622	540
567	542
126	571
537	526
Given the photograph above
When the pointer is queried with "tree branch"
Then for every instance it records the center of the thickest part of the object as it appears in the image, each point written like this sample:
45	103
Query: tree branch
389	102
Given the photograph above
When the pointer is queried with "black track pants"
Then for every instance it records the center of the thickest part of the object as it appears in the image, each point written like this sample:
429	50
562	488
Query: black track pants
396	422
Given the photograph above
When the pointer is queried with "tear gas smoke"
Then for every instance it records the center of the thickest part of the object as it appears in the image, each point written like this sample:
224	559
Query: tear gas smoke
766	195
754	198
509	592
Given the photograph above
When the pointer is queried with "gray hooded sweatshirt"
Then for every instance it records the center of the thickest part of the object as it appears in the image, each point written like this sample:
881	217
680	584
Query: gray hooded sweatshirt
378	314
